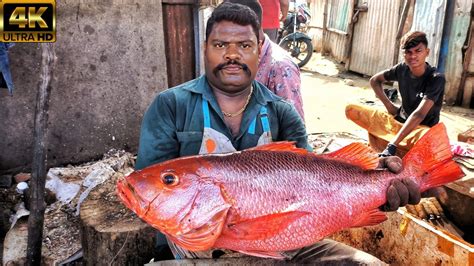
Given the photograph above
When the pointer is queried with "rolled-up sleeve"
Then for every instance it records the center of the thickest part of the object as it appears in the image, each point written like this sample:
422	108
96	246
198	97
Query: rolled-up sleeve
292	127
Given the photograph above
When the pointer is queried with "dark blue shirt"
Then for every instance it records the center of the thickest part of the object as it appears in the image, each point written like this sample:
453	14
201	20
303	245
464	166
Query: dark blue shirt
173	124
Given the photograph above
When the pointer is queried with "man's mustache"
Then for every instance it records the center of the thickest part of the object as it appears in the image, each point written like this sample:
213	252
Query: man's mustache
219	67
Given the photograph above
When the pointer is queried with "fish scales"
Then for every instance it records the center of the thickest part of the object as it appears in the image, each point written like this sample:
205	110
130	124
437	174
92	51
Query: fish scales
329	182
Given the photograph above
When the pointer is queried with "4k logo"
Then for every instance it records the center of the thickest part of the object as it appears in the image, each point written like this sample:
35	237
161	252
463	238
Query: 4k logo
27	20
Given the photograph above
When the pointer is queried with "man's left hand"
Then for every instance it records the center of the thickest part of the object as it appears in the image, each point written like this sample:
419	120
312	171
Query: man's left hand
400	193
392	163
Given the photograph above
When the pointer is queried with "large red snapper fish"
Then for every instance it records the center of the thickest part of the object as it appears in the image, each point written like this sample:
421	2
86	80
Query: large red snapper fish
276	197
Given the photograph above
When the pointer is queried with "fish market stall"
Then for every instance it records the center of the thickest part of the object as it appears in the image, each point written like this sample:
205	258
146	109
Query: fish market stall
86	222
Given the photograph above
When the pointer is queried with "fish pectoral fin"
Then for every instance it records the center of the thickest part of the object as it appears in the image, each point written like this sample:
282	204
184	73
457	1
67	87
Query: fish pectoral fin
280	146
198	240
357	154
191	245
372	217
263	254
204	237
262	227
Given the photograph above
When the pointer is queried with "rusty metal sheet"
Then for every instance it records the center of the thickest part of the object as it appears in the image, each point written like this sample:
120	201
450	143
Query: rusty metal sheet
178	21
373	44
457	38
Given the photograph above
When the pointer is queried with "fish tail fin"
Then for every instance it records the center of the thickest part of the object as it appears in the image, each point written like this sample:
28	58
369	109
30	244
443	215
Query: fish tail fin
430	159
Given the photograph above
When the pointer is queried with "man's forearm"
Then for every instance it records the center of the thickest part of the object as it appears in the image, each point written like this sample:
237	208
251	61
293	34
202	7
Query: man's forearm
412	122
378	89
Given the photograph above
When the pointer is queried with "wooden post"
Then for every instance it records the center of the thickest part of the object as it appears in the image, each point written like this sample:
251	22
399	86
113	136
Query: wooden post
461	98
325	26
401	23
354	15
350	35
38	171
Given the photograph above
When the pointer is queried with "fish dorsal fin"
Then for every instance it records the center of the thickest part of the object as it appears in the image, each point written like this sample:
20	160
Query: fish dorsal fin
262	227
280	146
263	254
372	217
357	154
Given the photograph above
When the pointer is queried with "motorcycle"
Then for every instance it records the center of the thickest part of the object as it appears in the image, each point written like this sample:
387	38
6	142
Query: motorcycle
292	36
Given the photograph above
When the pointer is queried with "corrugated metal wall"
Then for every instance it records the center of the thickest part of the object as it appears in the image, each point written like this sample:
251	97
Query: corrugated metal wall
335	40
338	22
457	37
429	18
338	11
336	45
316	24
373	45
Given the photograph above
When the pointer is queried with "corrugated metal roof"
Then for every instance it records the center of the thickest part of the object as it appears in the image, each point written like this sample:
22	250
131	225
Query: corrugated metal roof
374	37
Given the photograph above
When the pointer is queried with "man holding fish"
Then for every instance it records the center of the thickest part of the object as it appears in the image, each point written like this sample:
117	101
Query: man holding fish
226	111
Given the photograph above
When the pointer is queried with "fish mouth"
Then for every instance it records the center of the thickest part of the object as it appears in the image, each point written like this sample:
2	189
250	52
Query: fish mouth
203	237
131	199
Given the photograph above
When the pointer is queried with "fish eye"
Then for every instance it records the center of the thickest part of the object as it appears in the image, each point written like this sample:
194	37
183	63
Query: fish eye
169	179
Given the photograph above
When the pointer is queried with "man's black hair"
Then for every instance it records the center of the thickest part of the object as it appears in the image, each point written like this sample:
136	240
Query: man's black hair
412	39
236	13
253	4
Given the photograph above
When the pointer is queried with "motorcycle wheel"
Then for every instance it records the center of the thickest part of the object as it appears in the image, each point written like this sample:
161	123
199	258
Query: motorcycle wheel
300	50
